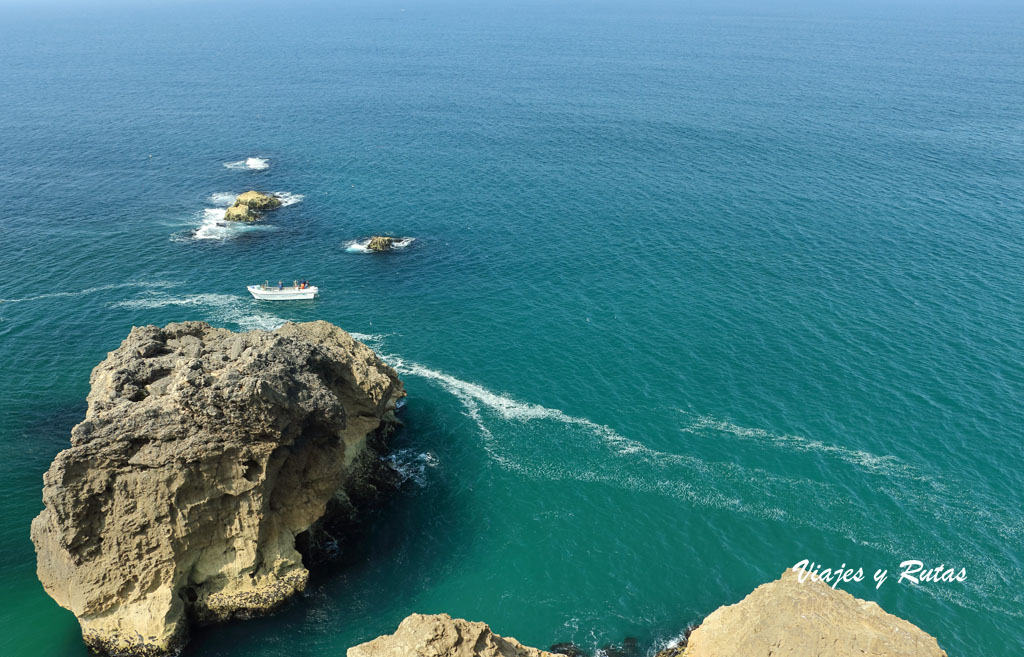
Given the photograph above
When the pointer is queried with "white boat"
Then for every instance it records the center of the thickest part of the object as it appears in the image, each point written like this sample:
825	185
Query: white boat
282	293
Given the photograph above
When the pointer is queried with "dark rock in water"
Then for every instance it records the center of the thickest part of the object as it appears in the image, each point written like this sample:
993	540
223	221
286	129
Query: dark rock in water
380	243
568	649
674	651
629	648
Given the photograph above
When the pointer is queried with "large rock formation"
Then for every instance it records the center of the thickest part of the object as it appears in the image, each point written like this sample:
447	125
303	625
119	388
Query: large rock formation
441	635
248	206
203	455
787	618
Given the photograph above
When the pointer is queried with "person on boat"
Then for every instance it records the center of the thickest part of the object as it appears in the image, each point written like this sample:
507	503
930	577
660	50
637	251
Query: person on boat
280	285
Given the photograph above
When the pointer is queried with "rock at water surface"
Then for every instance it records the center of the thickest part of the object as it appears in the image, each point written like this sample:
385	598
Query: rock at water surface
202	456
380	243
250	205
240	213
258	201
440	635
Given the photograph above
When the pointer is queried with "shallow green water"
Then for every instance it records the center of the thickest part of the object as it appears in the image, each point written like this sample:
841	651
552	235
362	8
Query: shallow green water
695	293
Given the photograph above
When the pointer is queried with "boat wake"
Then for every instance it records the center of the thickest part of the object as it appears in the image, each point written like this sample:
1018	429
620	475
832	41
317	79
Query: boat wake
250	163
217	309
362	246
547	444
90	290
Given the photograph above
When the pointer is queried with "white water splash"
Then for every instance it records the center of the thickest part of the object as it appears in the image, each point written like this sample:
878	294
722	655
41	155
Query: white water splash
250	163
363	246
215	308
90	290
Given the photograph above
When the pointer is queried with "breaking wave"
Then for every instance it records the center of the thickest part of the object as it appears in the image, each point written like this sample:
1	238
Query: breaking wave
250	163
222	199
211	225
287	198
411	466
362	246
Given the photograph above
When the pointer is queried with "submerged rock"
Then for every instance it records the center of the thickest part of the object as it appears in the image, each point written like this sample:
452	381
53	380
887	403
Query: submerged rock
569	649
202	456
440	635
379	243
786	618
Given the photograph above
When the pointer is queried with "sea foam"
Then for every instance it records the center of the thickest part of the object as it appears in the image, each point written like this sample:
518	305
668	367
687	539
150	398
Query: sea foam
250	163
362	246
214	308
90	290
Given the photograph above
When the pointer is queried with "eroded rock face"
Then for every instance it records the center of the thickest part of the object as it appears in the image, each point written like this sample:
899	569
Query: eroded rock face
785	618
440	635
203	454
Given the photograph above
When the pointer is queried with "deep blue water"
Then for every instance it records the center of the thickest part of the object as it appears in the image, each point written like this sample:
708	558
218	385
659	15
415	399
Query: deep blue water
695	292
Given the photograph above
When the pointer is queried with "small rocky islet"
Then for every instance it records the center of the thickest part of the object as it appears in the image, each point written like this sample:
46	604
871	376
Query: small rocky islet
209	462
250	206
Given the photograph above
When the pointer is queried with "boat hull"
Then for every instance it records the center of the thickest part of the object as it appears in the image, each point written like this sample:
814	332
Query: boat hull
286	294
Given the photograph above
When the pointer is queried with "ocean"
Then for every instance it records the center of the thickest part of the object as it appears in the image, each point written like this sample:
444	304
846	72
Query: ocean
696	291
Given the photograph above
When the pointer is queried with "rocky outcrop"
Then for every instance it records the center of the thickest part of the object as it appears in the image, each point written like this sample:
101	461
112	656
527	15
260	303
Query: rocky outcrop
240	213
250	205
441	635
258	201
787	618
203	455
380	243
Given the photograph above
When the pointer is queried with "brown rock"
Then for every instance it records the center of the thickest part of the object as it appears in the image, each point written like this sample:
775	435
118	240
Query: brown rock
379	243
258	201
441	635
240	213
202	456
785	618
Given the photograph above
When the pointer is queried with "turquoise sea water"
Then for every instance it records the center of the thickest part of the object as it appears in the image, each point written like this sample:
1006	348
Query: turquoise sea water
696	292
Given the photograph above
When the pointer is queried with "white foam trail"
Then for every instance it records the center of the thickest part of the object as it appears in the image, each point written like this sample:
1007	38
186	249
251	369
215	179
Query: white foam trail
887	465
216	308
287	198
591	452
250	163
213	226
362	246
373	339
91	290
223	199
